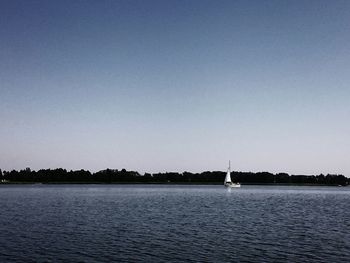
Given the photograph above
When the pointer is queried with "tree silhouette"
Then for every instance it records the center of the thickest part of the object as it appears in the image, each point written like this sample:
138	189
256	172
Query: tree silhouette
60	175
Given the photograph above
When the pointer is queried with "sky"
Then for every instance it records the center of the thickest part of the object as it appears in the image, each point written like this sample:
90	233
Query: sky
157	86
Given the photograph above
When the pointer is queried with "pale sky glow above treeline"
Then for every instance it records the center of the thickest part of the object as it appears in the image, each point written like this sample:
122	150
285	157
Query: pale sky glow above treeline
175	85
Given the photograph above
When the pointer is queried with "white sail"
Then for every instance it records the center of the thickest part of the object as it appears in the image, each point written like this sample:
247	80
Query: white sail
228	174
228	182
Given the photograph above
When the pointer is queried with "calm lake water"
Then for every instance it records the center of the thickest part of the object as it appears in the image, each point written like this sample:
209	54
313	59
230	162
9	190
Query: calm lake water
162	223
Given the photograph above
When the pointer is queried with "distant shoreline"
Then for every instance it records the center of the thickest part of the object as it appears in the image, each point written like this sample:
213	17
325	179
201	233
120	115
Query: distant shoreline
115	176
162	183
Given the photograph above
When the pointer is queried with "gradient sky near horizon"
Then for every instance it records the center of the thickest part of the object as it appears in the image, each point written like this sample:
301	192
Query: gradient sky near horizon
175	85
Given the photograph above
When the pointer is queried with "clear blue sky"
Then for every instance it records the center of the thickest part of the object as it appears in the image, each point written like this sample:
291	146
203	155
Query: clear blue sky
175	85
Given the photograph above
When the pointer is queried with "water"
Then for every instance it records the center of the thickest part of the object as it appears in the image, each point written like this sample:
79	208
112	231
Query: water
161	223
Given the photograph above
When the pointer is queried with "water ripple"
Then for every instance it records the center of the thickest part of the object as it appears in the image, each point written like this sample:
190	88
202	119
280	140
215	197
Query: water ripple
145	223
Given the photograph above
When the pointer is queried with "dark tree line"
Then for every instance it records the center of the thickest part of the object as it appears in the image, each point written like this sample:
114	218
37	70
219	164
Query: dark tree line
123	176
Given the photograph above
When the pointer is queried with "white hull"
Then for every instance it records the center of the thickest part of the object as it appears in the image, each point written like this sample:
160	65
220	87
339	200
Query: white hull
233	185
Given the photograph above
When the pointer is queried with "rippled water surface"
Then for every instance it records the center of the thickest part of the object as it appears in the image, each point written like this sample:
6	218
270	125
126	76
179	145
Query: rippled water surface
161	223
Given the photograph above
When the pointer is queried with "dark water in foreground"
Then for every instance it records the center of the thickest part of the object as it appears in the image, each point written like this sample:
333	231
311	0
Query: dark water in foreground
161	223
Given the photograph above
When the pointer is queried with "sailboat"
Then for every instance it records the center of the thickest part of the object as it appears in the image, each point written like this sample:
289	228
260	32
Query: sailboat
228	182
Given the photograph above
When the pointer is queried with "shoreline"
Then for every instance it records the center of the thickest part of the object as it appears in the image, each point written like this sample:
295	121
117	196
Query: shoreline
163	183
